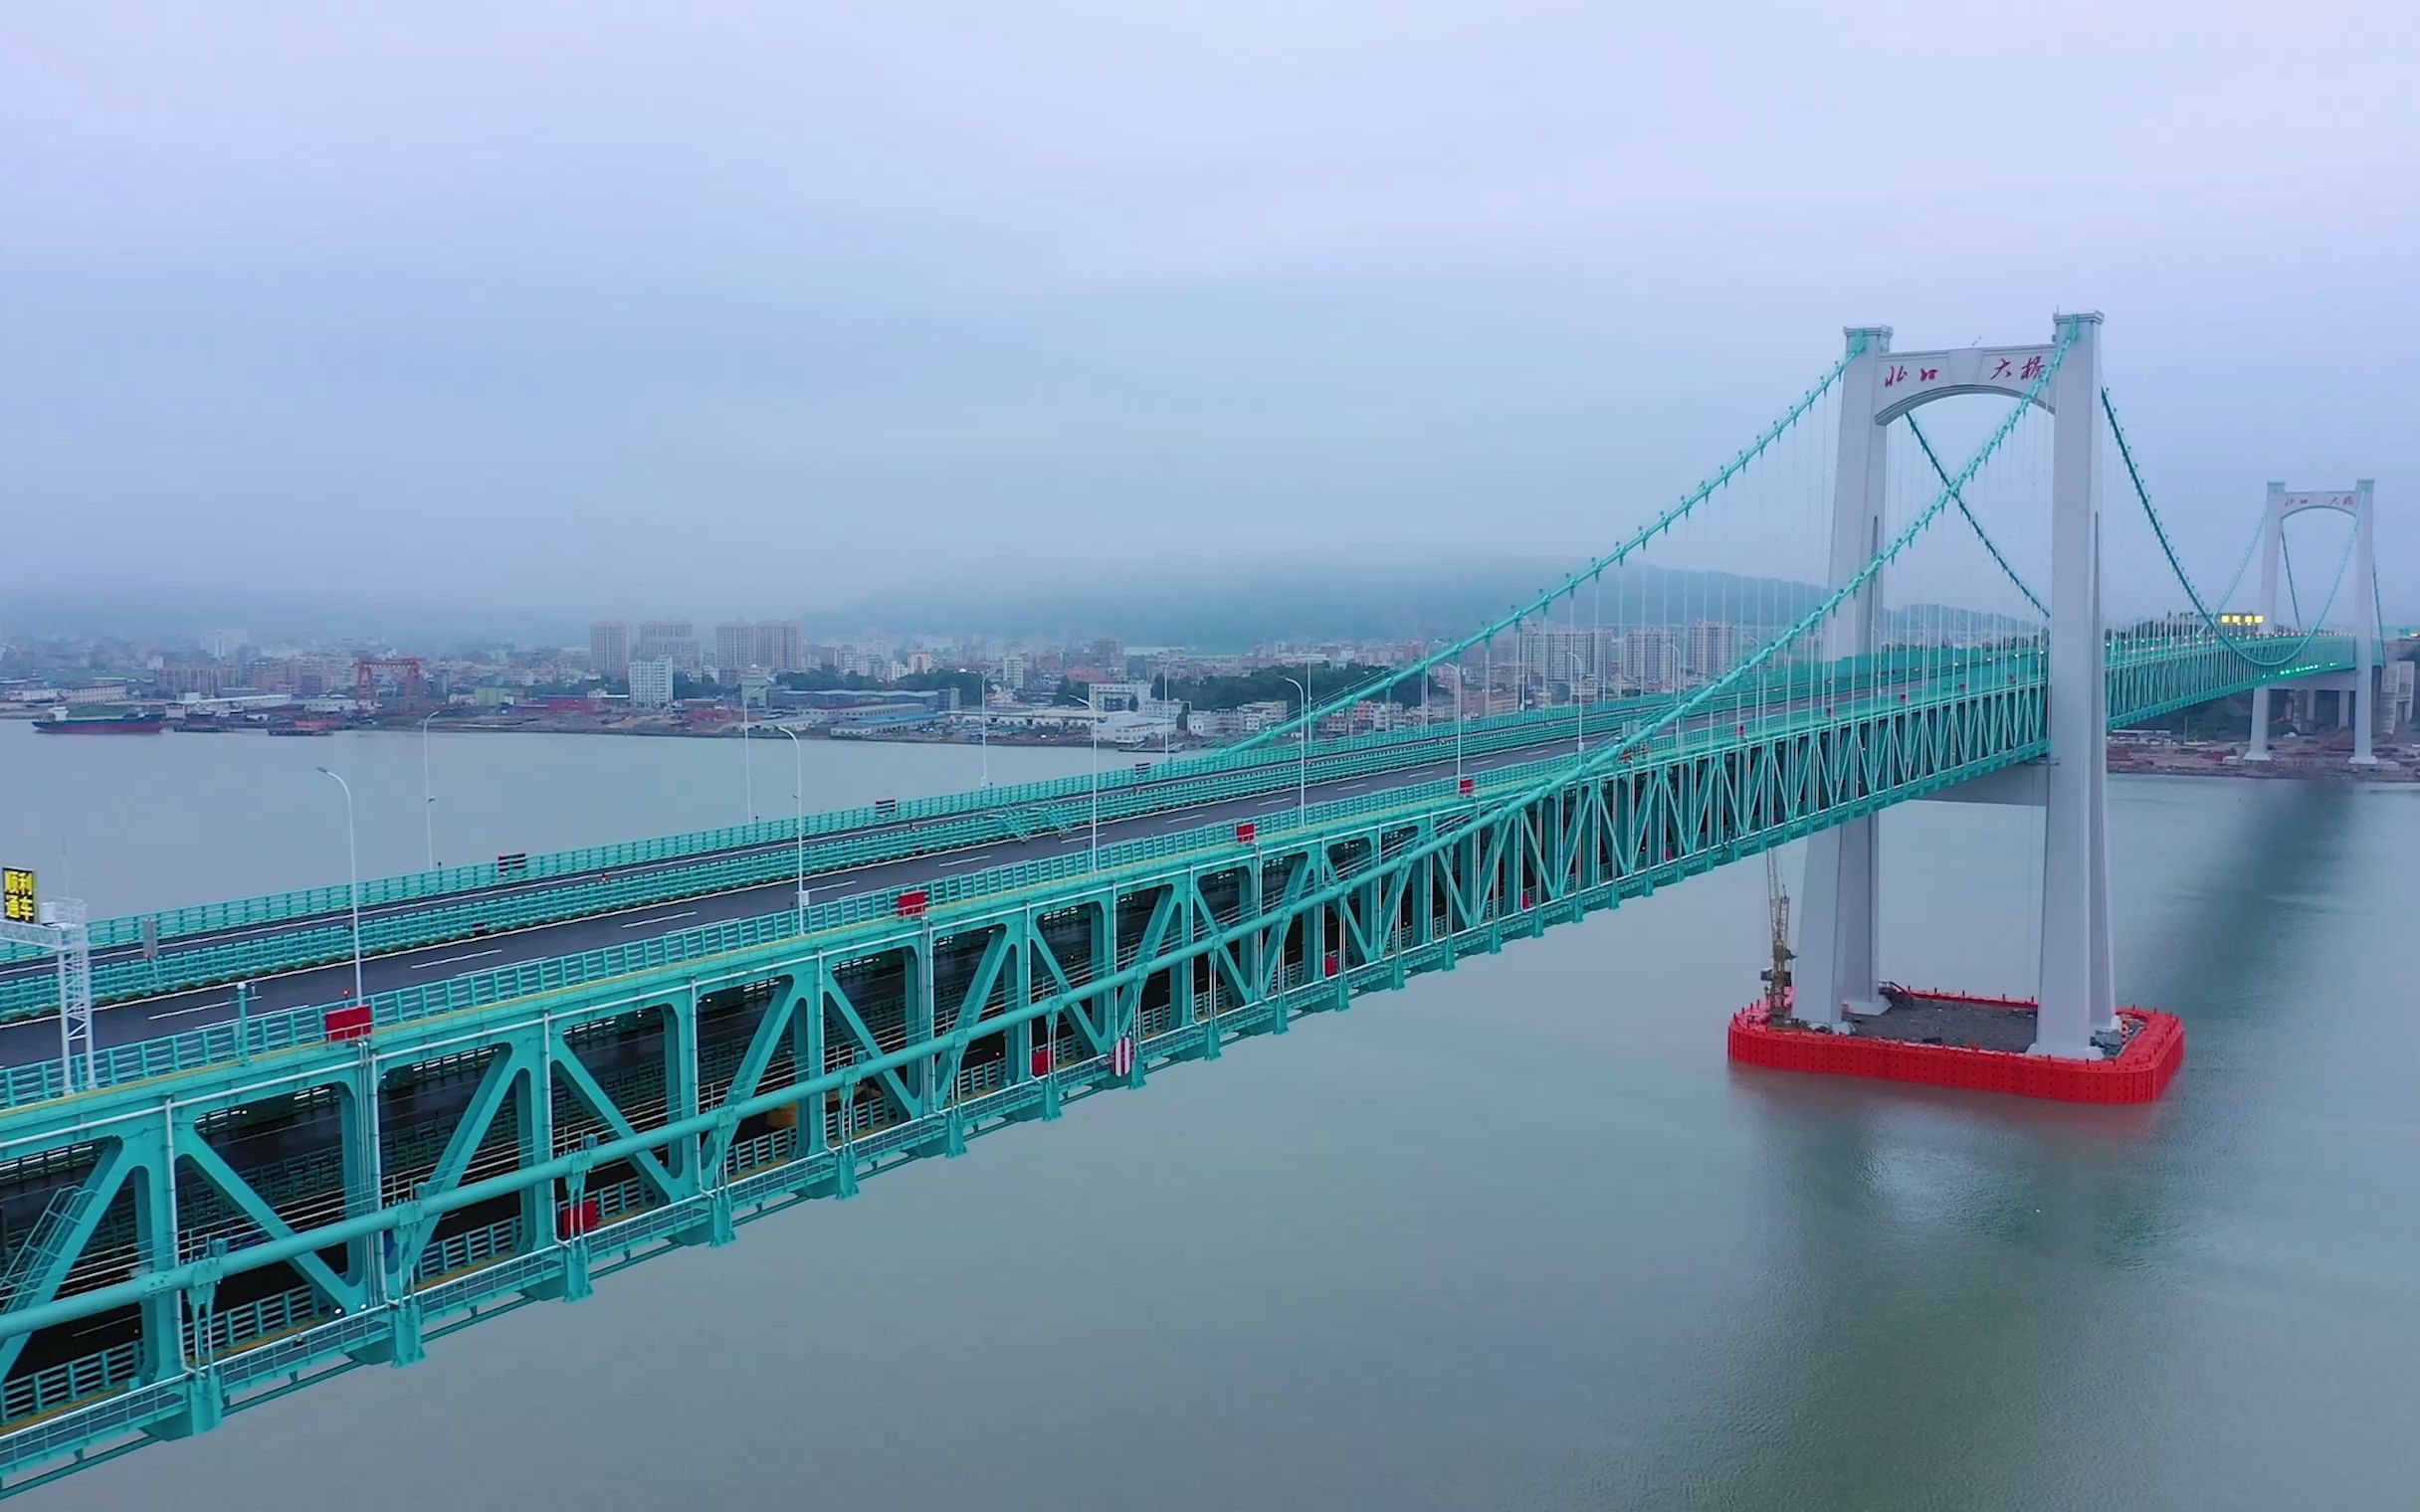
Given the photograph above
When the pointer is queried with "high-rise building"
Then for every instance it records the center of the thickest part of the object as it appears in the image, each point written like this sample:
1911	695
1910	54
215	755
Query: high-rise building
609	649
1581	656
1012	669
651	681
1711	648
774	645
675	640
1651	657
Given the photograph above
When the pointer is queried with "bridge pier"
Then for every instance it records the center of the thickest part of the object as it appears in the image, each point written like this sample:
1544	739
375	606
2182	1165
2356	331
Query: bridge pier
1838	967
2078	1000
2357	704
1837	956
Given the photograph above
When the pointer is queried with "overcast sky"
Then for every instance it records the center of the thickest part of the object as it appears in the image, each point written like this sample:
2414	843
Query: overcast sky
747	308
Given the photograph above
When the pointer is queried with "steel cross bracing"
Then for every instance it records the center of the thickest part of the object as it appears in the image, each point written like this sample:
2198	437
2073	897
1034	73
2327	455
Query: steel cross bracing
224	1217
66	937
239	1225
262	937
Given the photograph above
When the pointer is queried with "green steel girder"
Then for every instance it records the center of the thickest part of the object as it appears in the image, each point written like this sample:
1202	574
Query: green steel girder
457	909
1389	892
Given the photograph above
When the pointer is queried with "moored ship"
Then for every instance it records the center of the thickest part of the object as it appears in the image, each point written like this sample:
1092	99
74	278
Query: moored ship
102	719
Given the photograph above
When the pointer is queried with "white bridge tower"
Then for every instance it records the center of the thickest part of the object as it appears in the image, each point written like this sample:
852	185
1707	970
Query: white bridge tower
2354	501
1836	969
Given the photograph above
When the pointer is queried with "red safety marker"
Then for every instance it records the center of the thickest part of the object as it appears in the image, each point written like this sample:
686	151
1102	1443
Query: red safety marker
912	903
574	1219
1328	966
1467	784
1245	831
1121	1056
351	1022
1042	1061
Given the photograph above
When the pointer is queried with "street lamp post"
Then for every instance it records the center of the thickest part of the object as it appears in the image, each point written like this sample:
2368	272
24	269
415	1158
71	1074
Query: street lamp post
748	753
983	727
798	756
352	859
1093	849
428	794
1579	699
1302	787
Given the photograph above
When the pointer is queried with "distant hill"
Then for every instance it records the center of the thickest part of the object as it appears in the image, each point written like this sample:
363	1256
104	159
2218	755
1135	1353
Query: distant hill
175	612
1208	604
1229	607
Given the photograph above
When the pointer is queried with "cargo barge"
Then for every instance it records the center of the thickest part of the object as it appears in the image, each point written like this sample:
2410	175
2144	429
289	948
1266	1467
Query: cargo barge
102	719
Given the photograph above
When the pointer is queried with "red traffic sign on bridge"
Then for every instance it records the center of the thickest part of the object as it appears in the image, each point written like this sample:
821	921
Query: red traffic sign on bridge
1245	831
913	901
351	1022
1121	1056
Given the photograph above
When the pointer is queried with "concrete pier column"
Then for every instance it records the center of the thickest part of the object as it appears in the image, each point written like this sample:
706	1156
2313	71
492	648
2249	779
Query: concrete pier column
1837	943
2363	706
2075	966
2272	524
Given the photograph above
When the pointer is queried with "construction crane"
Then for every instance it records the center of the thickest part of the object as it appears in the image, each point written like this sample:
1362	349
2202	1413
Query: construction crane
1776	978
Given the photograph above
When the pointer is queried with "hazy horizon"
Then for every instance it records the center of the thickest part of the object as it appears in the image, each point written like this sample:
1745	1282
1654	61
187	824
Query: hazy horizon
721	311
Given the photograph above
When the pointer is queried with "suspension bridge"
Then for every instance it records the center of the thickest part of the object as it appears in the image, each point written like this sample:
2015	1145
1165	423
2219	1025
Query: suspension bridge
308	1179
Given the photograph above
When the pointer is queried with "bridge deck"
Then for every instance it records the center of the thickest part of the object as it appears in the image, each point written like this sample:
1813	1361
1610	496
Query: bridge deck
193	1234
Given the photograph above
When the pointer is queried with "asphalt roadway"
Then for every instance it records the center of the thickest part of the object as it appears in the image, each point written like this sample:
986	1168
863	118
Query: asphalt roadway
144	1019
1279	760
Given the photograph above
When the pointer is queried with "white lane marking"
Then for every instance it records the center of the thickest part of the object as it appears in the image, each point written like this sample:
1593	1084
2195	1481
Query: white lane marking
451	960
953	865
663	918
198	1008
1275	803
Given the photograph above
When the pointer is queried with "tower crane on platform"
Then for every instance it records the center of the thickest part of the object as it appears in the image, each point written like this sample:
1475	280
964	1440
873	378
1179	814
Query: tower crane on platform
1777	977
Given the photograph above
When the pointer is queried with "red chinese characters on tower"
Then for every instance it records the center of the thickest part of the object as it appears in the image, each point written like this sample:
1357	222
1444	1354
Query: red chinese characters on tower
1898	373
2030	371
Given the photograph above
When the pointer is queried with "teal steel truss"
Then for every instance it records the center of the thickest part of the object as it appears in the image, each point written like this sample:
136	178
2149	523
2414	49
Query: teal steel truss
208	1240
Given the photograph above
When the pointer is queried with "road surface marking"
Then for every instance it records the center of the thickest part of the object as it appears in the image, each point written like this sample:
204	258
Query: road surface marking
195	1008
1352	786
451	960
662	920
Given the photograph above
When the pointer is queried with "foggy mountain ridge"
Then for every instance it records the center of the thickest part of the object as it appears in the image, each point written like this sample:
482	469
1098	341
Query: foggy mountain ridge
1219	606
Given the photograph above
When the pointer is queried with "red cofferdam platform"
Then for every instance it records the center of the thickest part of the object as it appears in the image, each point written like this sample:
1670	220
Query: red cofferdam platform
2138	1073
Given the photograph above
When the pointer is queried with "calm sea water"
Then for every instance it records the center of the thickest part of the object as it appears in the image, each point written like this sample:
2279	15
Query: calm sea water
1514	1237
